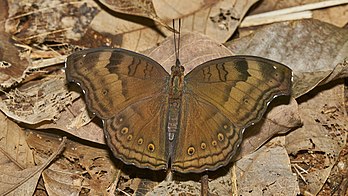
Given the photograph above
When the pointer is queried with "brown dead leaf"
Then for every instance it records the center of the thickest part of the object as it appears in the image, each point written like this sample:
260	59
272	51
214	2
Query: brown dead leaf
58	182
267	171
337	15
195	49
22	181
10	178
323	134
12	65
313	49
40	21
180	188
143	8
76	120
217	19
15	153
80	168
271	5
16	160
137	7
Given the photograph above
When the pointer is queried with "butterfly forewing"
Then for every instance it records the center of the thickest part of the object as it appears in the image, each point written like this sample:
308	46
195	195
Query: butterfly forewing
221	98
128	91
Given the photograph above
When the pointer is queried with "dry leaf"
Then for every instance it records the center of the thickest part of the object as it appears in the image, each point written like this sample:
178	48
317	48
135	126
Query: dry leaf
312	49
16	160
278	120
58	182
15	153
195	49
267	171
37	101
18	180
10	178
12	65
217	19
323	134
76	120
337	15
143	8
79	168
58	20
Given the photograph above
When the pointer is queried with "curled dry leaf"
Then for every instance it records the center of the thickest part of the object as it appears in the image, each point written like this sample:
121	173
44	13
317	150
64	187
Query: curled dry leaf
278	120
323	134
76	120
143	8
312	49
79	167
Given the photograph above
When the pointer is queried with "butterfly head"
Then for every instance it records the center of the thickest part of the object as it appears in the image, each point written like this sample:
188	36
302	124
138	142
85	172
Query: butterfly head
177	69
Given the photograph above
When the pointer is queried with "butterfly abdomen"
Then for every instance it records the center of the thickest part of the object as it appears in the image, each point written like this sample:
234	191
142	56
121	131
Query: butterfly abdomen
175	99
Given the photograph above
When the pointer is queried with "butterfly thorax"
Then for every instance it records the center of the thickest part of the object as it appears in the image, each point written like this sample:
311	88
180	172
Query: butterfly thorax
175	94
176	82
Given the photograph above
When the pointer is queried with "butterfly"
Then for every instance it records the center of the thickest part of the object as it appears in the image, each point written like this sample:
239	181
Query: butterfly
188	123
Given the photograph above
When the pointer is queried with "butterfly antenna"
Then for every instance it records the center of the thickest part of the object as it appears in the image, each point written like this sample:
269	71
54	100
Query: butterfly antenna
177	43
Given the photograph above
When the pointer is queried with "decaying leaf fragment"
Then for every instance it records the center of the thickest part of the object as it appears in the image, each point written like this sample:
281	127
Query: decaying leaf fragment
79	168
37	101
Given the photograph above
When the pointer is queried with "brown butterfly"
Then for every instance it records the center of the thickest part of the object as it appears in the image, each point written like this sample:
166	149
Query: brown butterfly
190	123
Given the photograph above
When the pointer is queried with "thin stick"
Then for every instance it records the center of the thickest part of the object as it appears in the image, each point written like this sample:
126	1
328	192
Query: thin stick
280	18
205	185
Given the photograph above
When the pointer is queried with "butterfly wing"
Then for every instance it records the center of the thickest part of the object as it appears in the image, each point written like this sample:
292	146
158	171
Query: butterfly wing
221	98
128	91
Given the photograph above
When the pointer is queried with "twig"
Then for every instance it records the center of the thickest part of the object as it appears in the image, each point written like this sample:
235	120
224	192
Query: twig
295	166
42	63
46	33
247	22
113	187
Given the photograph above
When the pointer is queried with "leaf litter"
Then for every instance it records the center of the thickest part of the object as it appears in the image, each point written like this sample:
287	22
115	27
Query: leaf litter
306	157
